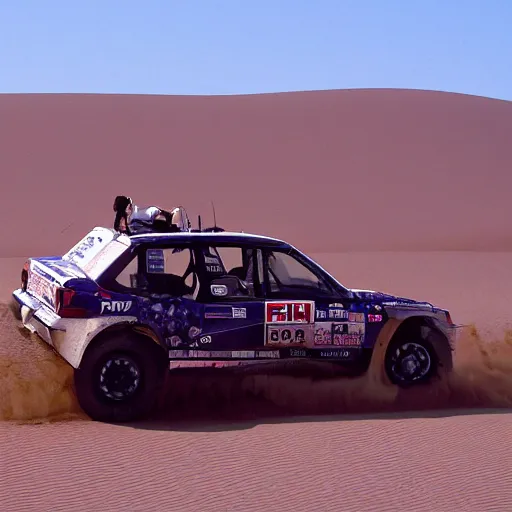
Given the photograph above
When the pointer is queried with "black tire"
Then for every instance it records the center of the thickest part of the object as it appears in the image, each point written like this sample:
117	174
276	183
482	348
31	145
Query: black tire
130	358
431	356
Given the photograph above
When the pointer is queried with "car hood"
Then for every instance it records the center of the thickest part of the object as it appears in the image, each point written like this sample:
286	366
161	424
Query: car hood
387	299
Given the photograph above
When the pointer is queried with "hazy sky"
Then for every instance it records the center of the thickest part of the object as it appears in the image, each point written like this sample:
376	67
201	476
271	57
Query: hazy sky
244	46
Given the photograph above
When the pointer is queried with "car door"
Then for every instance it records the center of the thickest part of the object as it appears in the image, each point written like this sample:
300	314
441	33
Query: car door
306	313
231	300
161	279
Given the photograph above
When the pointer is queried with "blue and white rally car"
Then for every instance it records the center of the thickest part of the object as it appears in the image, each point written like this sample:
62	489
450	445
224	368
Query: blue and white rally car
122	310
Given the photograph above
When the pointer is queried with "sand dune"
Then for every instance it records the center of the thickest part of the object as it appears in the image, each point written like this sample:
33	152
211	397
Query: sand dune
337	172
378	169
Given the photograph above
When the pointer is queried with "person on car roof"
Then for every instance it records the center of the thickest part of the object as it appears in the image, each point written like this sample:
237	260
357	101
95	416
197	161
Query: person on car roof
130	219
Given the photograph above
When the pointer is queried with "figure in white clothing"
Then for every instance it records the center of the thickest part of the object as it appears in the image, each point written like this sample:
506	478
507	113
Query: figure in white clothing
132	220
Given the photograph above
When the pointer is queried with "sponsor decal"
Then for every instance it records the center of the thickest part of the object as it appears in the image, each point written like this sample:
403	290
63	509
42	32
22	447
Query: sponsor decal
279	312
400	304
155	261
219	290
198	353
211	260
86	244
374	318
298	352
347	340
341	354
338	313
218	312
223	354
350	329
205	340
212	265
36	269
214	269
206	364
287	335
239	313
355	317
178	354
63	270
339	334
240	354
204	354
41	288
268	354
323	334
115	306
219	353
225	312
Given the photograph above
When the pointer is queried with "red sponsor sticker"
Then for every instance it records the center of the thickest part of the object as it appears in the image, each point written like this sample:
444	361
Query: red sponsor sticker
288	312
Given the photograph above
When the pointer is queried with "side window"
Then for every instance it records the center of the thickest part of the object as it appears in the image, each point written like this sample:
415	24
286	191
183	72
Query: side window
125	277
176	262
162	271
232	260
286	273
235	278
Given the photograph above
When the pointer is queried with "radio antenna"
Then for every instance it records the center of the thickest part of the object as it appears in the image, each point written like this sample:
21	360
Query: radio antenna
214	216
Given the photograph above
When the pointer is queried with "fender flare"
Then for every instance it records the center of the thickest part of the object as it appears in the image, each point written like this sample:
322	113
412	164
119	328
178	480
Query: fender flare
129	326
439	340
72	343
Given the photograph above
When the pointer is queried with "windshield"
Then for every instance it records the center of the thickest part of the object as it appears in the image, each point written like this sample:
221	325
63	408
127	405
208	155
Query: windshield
287	271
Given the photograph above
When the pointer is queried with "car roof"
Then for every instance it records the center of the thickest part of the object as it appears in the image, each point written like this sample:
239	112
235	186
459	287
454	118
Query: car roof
209	237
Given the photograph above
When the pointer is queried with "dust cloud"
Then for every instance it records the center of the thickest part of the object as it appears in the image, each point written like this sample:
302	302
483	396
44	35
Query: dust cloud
37	386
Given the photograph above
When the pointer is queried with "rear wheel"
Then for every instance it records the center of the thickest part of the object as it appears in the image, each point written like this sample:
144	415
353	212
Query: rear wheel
120	378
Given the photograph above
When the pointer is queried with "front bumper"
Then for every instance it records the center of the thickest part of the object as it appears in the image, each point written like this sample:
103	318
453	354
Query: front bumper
454	333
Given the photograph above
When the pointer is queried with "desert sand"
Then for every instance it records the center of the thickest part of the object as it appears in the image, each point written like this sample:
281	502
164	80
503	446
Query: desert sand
392	190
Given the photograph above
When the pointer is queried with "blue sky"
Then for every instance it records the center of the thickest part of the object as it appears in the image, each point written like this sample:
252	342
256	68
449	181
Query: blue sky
239	47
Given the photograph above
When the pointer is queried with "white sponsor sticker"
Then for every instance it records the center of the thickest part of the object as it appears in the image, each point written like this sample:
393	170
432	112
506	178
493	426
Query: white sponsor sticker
239	313
219	290
115	306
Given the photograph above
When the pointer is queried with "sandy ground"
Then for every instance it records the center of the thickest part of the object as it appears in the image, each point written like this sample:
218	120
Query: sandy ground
235	442
281	441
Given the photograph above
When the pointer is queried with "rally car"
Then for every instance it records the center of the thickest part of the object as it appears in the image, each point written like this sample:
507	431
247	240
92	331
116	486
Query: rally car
123	310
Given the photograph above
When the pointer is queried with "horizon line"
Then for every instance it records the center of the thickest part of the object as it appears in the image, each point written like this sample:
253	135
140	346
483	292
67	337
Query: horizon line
267	93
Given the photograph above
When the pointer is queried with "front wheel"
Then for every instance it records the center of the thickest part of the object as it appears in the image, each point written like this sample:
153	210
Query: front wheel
120	378
411	361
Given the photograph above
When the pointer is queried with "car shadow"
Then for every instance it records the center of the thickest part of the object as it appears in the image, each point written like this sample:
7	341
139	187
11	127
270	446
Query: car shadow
200	400
242	421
